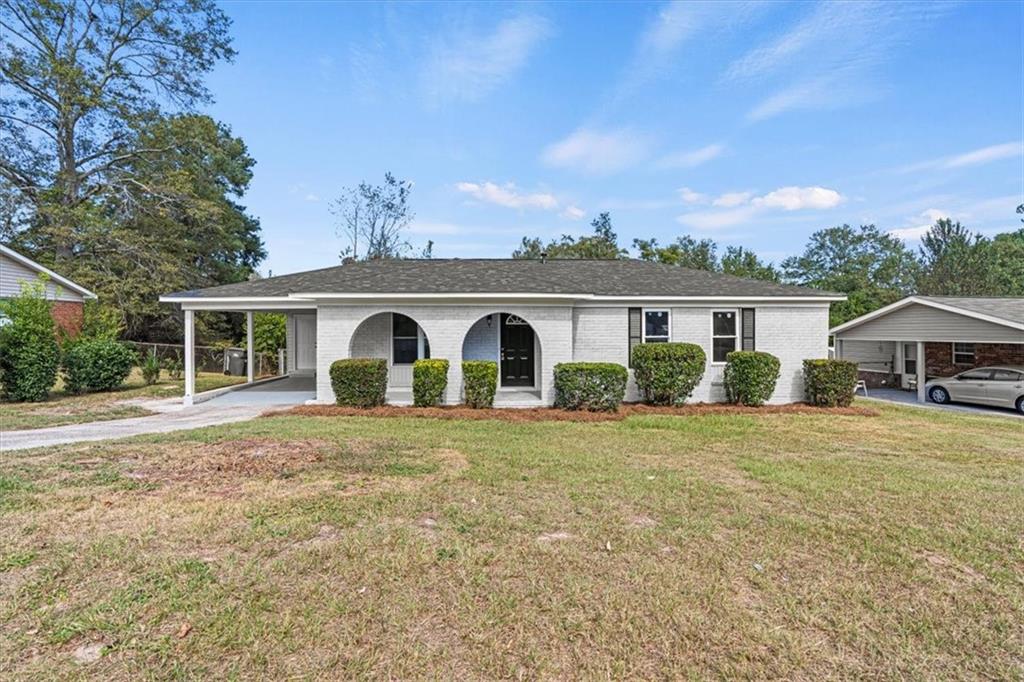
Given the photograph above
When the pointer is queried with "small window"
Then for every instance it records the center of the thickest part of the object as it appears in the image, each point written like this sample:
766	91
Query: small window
407	340
963	353
976	375
723	334
909	358
656	326
1006	375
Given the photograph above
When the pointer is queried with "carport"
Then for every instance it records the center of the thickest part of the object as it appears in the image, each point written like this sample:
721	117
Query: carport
904	344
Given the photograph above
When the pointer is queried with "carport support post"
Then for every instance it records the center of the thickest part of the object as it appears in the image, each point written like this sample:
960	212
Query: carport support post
190	356
922	375
250	352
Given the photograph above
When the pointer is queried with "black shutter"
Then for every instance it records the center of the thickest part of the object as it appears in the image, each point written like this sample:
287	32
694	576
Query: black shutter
635	331
747	327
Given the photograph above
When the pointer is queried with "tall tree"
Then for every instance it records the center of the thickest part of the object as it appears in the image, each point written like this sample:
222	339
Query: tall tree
81	79
684	251
872	268
1008	263
603	244
955	262
373	219
743	262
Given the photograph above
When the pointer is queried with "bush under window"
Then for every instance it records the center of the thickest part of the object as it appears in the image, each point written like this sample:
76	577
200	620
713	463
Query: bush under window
829	383
480	381
99	364
750	377
360	382
429	381
29	353
592	386
667	373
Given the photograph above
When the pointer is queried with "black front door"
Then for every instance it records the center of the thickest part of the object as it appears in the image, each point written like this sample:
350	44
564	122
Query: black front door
516	351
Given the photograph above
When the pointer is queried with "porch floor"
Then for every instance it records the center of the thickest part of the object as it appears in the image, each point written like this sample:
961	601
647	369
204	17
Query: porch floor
502	398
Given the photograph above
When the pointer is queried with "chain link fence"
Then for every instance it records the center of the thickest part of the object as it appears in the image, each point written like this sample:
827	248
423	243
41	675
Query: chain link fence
213	358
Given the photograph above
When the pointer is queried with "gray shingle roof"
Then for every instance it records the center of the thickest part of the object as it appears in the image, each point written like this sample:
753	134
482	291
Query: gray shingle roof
484	276
1005	308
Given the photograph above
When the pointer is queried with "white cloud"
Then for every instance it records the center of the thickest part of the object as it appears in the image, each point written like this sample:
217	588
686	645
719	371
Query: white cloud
311	197
691	197
598	152
573	213
507	195
692	158
833	56
799	198
741	207
467	67
975	157
732	199
916	231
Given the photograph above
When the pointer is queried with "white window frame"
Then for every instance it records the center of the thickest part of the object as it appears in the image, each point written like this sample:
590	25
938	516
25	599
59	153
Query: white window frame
735	338
973	353
912	349
643	324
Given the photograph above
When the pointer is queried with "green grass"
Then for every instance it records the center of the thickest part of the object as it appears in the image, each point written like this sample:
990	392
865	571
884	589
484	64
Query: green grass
66	408
781	546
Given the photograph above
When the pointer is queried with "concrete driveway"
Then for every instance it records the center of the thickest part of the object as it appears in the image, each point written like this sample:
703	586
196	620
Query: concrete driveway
893	395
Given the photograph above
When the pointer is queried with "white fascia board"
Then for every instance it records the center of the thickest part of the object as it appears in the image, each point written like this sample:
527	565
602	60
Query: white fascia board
564	297
903	303
32	265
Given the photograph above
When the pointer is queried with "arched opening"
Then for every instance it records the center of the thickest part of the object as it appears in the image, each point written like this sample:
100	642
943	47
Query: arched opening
397	338
509	340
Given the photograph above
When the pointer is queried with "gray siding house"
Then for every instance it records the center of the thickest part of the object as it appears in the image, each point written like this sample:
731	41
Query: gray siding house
527	315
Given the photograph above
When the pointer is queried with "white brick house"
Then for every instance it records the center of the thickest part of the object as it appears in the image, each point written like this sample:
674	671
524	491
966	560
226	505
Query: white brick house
527	315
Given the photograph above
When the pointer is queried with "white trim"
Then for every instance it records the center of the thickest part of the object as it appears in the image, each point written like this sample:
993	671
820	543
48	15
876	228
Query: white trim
311	298
736	336
643	323
892	307
31	264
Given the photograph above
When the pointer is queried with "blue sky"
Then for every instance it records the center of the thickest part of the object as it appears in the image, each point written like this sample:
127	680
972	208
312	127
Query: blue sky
753	124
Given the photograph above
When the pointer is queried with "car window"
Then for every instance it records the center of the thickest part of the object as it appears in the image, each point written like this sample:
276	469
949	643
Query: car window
1005	375
976	375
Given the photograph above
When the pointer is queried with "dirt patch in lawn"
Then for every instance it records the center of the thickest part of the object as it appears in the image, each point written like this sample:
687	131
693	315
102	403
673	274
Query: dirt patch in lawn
553	414
204	462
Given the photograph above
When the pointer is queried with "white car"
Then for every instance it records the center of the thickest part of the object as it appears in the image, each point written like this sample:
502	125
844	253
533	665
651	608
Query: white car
995	386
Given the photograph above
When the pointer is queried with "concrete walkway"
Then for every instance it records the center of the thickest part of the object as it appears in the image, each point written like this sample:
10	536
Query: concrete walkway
909	398
172	417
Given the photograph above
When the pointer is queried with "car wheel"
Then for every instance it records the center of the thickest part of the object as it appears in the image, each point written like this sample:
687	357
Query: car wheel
1020	404
939	395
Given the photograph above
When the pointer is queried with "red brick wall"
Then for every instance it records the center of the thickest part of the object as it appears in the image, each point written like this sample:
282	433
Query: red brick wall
68	316
939	357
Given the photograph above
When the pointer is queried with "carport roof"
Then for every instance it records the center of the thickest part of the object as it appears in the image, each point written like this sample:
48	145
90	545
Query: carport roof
1003	310
553	277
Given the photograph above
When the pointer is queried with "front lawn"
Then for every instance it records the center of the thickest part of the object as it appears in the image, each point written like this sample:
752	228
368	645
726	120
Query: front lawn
66	408
729	546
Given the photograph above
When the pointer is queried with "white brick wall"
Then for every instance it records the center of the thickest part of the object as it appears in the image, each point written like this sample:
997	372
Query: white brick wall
446	328
792	333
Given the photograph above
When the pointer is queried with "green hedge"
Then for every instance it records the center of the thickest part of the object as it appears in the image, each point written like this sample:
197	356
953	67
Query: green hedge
480	381
750	377
429	380
360	382
99	364
29	353
593	386
829	383
667	373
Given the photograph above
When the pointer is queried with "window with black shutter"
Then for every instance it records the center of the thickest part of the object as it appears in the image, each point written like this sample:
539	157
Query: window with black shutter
635	331
747	326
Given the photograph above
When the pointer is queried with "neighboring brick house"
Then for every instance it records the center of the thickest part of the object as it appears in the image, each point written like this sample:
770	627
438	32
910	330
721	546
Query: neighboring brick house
68	298
527	315
922	337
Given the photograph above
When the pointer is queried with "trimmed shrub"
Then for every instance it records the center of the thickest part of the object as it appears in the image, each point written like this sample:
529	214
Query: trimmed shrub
150	367
429	380
829	383
592	386
750	377
29	353
667	373
360	382
480	381
97	365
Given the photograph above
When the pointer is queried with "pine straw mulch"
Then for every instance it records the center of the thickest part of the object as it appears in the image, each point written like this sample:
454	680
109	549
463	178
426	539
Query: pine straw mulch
542	414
